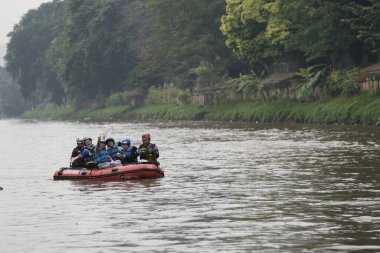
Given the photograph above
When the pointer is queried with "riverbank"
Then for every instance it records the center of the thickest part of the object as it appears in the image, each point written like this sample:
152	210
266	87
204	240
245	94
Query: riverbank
363	109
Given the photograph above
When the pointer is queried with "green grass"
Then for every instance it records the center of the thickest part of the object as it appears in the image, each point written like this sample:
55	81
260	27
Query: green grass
113	112
71	113
168	112
50	112
363	109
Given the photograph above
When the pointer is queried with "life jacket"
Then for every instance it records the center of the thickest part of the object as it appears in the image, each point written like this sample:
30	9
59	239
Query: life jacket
102	156
113	152
79	162
88	154
149	153
130	153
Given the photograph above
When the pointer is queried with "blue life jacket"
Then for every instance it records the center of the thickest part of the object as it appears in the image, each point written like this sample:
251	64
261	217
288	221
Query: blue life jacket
88	153
102	156
127	152
131	154
113	152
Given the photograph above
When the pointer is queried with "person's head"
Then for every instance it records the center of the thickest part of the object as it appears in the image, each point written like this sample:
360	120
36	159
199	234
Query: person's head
146	138
125	143
80	143
110	142
102	144
87	141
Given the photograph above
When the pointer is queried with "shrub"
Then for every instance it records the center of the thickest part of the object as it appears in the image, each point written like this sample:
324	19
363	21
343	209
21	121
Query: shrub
115	99
342	82
170	95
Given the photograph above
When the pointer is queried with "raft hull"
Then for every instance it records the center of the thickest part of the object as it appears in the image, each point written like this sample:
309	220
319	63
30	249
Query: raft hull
127	172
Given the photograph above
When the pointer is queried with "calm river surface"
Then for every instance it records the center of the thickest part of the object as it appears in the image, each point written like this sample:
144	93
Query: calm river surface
230	188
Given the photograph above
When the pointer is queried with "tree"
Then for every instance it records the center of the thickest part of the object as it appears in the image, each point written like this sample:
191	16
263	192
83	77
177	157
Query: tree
316	28
26	57
93	50
254	32
365	20
181	36
11	101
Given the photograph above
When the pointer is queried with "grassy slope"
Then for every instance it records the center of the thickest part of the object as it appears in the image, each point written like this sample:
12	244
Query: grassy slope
168	112
71	113
362	109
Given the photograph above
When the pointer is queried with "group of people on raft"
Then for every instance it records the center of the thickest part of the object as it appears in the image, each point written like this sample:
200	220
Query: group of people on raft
107	153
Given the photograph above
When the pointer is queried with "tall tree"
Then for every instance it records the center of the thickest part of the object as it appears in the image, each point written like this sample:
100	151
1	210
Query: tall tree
254	32
365	20
183	35
263	32
11	101
95	58
26	57
316	28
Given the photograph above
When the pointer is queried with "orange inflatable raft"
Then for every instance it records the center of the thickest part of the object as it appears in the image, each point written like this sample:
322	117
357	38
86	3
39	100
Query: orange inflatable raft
127	172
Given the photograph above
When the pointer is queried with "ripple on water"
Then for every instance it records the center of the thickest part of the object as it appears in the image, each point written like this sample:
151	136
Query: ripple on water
255	188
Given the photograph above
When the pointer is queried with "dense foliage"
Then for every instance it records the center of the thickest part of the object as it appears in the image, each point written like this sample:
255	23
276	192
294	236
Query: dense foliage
11	101
26	57
184	45
93	53
264	32
85	52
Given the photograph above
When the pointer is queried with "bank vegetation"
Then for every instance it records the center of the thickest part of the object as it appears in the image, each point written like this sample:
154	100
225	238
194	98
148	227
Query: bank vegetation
265	60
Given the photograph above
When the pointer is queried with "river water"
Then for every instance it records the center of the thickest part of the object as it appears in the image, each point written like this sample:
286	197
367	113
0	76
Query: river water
228	188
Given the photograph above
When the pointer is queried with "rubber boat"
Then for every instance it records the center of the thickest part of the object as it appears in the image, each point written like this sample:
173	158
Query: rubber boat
127	172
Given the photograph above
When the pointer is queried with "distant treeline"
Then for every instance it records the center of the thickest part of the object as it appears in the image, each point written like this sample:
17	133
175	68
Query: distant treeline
11	101
82	51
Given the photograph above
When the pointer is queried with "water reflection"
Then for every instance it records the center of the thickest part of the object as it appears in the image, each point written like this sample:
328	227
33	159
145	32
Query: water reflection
89	187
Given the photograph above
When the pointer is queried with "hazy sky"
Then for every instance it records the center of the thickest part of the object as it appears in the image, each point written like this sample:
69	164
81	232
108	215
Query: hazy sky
11	12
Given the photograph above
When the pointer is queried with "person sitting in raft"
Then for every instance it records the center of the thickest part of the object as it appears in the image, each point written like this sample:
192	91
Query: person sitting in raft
102	158
148	151
112	149
128	153
88	153
76	161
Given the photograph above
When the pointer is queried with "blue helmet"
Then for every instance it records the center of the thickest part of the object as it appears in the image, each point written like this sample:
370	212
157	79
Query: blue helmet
126	141
110	139
102	141
86	139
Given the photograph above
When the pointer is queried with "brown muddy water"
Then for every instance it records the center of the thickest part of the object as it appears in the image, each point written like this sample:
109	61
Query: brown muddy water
228	188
